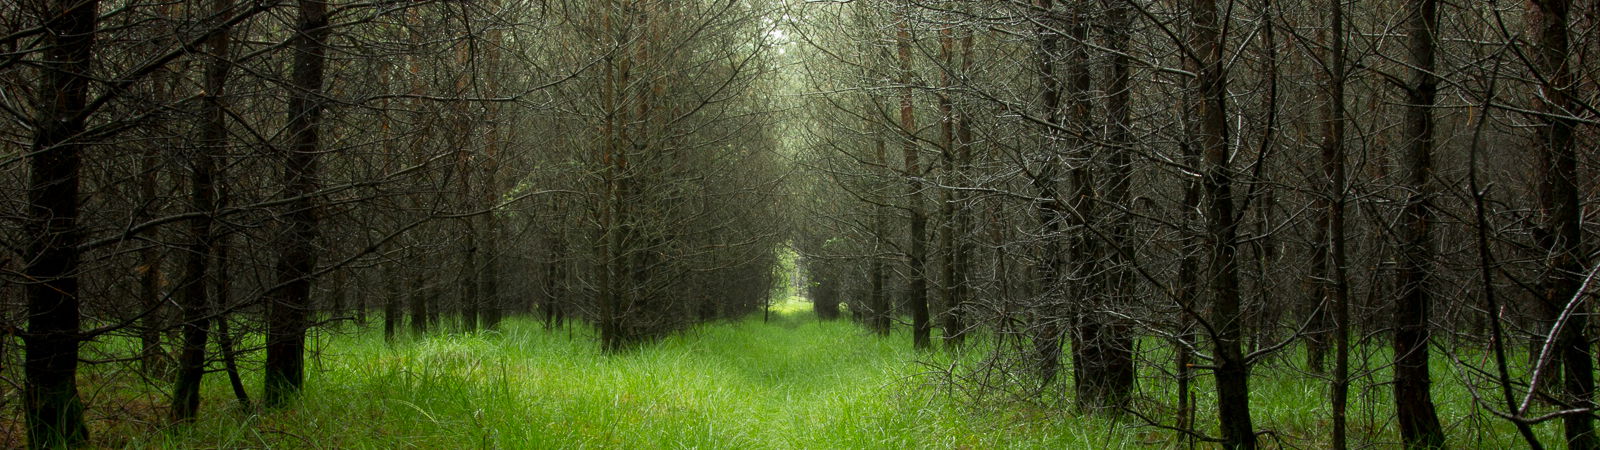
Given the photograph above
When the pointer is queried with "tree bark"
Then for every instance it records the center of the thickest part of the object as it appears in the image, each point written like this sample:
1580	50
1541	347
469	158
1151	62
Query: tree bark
52	407
961	290
1419	422
494	307
223	301
467	279
289	305
391	304
1108	359
153	357
953	274
608	244
1087	329
420	314
917	257
1232	371
1050	316
879	318
1336	287
555	282
195	303
1186	337
1560	232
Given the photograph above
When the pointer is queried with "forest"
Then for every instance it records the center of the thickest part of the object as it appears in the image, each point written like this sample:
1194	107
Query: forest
799	224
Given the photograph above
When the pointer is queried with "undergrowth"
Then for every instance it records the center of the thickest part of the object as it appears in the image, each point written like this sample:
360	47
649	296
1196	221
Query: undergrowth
791	382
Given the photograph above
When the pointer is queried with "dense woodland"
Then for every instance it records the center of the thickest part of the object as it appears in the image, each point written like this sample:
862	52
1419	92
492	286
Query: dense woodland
1127	208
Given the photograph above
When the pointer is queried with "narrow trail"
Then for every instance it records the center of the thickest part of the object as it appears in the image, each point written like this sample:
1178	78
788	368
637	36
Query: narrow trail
795	377
793	382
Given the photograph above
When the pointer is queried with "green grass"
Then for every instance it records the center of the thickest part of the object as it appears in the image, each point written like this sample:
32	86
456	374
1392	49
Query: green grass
792	383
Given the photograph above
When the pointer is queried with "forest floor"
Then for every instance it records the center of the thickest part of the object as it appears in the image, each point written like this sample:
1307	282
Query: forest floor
791	382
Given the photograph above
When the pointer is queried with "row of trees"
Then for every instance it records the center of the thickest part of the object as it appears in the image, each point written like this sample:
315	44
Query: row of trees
187	174
1241	180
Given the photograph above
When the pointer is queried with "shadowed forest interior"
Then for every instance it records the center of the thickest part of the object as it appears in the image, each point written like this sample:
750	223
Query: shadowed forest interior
799	223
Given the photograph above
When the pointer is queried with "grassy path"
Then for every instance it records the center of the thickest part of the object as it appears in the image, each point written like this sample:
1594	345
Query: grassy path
791	383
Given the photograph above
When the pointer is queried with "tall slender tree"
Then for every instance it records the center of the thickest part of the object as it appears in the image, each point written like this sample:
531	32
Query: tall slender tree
1109	374
289	302
1336	287
950	257
1560	232
1232	372
1419	422
195	301
53	408
1050	326
880	313
917	255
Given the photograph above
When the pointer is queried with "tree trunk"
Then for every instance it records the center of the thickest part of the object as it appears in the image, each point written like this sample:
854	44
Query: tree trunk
555	282
1186	337
1109	373
1419	422
949	256
494	308
1049	319
1188	292
362	302
879	318
391	303
432	295
1102	351
608	241
961	288
1560	232
1087	328
420	314
196	304
52	407
153	357
1336	286
879	312
289	304
1232	373
493	311
917	257
223	303
338	291
467	279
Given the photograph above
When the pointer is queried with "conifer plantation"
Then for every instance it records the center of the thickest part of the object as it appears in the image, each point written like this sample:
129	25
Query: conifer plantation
784	224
